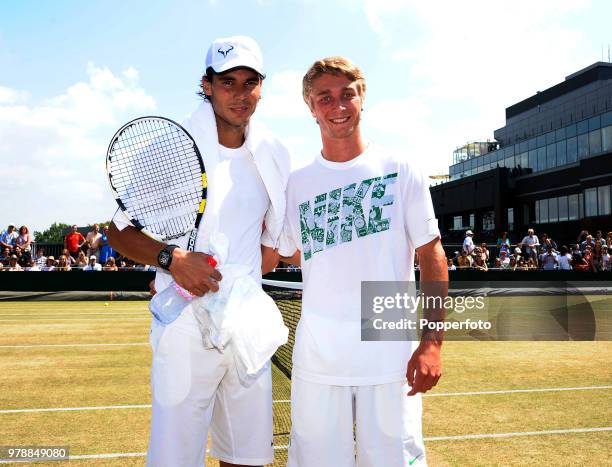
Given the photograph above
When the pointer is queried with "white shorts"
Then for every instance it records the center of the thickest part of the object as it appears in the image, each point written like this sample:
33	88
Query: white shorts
348	426
194	389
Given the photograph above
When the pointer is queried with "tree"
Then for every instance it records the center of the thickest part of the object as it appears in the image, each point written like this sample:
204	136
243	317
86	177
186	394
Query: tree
53	234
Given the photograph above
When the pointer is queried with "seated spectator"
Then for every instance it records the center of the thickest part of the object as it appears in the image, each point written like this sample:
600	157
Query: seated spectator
49	265
596	262
480	264
110	265
504	260
497	263
549	259
588	242
63	264
531	243
82	260
33	265
22	258
93	264
24	239
468	242
607	266
531	264
565	259
599	238
8	238
40	257
580	262
69	258
513	263
451	265
484	251
522	264
5	256
464	261
609	241
13	265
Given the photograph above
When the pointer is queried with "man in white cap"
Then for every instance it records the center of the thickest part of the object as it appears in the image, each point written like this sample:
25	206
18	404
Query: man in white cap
468	242
195	388
93	264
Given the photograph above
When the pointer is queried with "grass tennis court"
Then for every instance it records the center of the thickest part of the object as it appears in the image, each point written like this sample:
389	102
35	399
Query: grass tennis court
94	360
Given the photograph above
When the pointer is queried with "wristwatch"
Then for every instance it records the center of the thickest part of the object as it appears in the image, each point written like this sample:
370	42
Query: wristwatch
164	257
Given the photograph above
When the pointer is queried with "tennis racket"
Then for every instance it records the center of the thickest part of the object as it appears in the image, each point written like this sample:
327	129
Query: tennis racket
157	175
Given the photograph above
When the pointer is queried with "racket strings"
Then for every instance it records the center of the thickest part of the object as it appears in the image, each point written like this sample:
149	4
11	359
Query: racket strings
157	174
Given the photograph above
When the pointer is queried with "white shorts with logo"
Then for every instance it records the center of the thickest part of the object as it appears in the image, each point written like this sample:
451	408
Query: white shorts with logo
195	389
348	426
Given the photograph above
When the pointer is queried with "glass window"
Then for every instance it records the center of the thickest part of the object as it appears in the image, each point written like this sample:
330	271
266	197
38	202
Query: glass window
561	153
471	221
572	150
581	205
582	127
524	147
594	123
532	143
563	209
550	137
583	146
553	211
606	119
537	211
457	222
541	159
551	156
510	162
595	142
590	205
541	141
533	159
510	218
560	134
574	211
603	200
543	211
488	220
570	131
606	138
524	160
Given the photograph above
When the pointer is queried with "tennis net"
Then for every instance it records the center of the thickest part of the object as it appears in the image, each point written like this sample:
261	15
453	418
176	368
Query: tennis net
288	298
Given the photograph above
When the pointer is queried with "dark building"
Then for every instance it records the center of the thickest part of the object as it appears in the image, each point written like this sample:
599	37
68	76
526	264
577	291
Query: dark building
550	167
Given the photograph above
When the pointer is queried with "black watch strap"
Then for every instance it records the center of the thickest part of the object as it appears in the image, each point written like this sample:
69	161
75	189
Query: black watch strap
164	257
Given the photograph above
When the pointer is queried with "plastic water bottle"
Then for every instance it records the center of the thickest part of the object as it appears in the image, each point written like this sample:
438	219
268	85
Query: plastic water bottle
168	304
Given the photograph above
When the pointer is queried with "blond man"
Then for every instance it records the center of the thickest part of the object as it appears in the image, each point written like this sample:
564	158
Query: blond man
357	213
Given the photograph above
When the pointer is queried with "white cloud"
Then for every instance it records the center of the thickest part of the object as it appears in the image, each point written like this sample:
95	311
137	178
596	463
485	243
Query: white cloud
465	63
57	147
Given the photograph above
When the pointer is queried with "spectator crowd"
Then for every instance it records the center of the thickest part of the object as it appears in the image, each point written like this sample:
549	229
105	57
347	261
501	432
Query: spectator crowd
18	252
588	253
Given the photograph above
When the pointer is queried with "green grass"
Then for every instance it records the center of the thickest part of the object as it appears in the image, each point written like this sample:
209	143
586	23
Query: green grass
46	377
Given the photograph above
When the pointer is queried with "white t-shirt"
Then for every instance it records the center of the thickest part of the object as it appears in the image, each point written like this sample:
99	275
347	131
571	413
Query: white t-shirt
468	244
564	262
548	260
353	221
243	204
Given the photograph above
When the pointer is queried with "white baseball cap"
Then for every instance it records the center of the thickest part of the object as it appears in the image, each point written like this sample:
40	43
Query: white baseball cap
227	53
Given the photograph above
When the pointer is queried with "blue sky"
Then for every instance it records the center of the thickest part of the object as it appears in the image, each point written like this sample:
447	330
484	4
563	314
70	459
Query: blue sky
438	73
